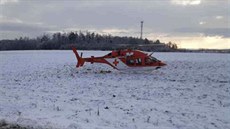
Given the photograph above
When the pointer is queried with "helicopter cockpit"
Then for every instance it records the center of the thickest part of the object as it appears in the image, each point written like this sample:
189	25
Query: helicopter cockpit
150	59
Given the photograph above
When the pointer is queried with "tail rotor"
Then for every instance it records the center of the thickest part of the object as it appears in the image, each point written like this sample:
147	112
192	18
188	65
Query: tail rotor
80	60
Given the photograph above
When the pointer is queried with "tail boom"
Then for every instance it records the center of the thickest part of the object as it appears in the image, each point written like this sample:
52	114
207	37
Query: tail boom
92	59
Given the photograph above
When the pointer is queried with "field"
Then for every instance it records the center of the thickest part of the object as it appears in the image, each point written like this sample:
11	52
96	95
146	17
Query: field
43	89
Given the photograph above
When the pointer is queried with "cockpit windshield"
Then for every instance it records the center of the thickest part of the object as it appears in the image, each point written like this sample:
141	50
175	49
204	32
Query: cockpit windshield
150	60
153	59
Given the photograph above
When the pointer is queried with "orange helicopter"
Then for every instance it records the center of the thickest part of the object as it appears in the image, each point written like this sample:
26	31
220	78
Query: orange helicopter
123	60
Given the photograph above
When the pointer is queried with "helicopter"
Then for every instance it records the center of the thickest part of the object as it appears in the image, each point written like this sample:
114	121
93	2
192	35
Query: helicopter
123	60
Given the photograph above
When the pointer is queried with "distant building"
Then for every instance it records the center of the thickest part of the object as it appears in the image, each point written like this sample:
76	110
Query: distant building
154	47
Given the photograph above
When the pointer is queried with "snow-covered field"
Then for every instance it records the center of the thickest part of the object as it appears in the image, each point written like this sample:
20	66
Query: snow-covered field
43	89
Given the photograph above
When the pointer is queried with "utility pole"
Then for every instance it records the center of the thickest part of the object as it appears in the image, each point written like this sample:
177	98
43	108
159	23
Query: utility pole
141	28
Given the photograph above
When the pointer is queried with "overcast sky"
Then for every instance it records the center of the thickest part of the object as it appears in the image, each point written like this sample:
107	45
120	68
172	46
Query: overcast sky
189	23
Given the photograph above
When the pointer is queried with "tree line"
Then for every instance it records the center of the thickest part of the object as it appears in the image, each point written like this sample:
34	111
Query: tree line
83	41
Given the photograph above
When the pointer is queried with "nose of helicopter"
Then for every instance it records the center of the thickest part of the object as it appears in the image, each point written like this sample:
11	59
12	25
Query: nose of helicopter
161	63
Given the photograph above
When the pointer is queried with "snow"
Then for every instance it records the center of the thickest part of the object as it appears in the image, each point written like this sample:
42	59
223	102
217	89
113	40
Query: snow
43	89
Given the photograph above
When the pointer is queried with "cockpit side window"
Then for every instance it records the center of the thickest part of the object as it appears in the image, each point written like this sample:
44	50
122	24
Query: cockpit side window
147	60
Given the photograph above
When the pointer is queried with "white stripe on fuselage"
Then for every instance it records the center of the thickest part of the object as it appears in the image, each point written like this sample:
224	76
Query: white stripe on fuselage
122	66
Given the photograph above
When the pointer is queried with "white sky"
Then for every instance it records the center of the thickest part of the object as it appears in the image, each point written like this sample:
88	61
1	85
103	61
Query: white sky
189	23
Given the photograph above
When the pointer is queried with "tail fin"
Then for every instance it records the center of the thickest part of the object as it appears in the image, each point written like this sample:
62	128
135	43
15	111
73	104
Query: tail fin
80	60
